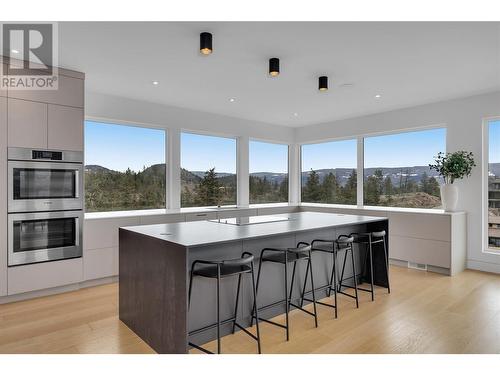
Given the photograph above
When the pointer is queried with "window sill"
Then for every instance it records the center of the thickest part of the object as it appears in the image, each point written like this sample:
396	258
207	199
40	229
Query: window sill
173	211
384	209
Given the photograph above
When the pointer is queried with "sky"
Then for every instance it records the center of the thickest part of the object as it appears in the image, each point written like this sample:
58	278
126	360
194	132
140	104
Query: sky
494	138
404	149
120	147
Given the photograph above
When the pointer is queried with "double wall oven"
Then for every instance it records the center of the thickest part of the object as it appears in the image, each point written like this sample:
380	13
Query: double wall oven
45	205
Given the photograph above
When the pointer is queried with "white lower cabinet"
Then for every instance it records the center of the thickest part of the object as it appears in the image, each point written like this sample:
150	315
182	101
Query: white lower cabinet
100	263
47	275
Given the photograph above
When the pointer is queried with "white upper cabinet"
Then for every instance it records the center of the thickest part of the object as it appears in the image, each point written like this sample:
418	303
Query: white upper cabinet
65	128
27	124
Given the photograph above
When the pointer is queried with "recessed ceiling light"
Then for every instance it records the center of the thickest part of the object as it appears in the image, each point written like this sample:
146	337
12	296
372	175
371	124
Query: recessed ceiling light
232	100
156	83
296	114
14	51
378	96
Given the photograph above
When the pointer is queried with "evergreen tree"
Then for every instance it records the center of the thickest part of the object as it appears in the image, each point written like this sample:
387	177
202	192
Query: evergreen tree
209	192
349	191
312	190
388	188
330	191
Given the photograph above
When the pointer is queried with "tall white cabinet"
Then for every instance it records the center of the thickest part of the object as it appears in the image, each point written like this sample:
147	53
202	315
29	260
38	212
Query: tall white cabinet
45	119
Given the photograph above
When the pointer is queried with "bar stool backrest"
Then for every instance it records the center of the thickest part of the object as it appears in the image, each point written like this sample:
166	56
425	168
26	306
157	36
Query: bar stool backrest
244	261
378	234
302	247
343	239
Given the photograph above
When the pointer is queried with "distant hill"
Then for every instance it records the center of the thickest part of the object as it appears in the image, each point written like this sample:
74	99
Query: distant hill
413	174
97	168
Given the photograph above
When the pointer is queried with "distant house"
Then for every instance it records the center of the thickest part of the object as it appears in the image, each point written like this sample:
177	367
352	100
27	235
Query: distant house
494	212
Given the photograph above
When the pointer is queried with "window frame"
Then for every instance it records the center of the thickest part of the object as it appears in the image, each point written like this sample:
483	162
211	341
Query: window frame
388	133
110	121
329	140
289	166
361	161
237	156
485	174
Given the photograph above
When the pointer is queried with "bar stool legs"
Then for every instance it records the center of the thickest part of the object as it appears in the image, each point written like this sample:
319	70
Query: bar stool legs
216	270
284	257
354	277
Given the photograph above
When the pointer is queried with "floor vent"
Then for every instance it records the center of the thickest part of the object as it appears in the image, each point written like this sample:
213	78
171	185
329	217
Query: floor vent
417	266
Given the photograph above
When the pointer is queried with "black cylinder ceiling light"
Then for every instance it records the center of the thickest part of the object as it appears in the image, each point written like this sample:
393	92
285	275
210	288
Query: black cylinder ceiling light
323	83
206	43
274	67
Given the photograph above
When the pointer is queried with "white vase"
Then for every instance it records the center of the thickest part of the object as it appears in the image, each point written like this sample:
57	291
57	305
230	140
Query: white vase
449	197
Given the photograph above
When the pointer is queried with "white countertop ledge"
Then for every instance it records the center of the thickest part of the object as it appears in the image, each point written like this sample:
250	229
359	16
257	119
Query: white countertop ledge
173	211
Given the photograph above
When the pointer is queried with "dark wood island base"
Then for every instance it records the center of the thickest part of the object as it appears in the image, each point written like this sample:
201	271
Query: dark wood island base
155	262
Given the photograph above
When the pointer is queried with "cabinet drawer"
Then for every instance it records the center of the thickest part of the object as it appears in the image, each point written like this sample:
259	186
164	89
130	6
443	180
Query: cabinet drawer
32	277
419	225
103	233
201	216
275	210
436	253
237	213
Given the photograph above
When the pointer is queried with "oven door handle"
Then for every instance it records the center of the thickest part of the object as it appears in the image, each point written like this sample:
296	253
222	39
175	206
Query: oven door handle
77	183
77	234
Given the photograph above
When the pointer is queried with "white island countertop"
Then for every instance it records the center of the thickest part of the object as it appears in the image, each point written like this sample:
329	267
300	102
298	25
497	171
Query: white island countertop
201	233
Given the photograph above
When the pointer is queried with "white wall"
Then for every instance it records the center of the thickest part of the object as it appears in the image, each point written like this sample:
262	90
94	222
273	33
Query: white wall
117	108
463	119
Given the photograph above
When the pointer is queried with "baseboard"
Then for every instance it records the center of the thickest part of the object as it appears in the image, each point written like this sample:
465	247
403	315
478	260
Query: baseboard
483	266
430	268
58	290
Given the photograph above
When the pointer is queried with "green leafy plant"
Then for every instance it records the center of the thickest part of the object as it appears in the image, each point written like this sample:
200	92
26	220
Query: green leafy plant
453	165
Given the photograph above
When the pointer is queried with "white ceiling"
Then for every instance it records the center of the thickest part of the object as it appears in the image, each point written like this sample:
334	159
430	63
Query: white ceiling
407	63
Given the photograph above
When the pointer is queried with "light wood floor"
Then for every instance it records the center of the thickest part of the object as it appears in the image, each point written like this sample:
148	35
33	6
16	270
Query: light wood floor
425	313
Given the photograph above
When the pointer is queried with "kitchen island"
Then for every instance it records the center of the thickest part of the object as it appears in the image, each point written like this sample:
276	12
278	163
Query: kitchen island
155	261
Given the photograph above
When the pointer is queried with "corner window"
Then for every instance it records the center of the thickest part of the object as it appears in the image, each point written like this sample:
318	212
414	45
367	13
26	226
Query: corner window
208	170
268	178
396	169
124	167
329	173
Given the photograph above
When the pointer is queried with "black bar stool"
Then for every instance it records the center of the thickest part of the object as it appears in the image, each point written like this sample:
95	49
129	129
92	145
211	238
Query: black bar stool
286	256
217	270
342	243
369	239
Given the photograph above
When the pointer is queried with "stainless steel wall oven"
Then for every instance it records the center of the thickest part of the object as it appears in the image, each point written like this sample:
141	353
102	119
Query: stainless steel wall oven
45	205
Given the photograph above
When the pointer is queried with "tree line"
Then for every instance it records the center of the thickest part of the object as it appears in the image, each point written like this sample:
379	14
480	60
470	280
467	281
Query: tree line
377	188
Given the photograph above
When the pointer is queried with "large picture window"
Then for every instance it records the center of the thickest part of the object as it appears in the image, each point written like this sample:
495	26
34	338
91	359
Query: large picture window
208	170
329	172
494	184
396	169
124	167
268	172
